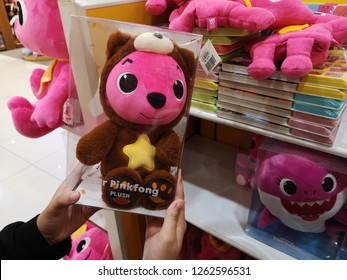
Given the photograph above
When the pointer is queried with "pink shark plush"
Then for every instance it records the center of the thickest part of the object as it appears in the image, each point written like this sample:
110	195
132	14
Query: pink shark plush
297	51
39	28
254	15
300	192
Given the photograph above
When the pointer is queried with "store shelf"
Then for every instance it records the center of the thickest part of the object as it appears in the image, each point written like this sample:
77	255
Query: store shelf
213	203
339	148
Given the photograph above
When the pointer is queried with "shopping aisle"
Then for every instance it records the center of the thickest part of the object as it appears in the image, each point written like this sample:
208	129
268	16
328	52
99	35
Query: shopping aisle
30	169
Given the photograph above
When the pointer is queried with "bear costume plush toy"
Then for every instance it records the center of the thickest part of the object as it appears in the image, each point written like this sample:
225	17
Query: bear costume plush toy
145	90
297	51
39	28
253	15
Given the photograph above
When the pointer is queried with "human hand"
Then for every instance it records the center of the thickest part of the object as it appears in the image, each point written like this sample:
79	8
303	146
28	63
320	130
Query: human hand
62	216
164	237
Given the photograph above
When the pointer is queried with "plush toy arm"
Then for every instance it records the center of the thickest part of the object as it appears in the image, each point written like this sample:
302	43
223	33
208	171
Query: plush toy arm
95	145
156	7
35	80
168	149
48	110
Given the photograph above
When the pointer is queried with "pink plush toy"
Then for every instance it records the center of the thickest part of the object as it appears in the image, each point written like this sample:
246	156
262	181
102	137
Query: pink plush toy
39	28
300	192
254	15
90	243
298	51
157	7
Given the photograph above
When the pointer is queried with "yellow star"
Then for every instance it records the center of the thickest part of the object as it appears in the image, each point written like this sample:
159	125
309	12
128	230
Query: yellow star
141	153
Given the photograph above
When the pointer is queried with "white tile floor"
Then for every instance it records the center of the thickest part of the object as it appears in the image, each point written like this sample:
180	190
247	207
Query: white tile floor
30	169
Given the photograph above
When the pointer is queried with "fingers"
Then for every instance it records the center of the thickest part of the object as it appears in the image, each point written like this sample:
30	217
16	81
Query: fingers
179	188
65	199
174	220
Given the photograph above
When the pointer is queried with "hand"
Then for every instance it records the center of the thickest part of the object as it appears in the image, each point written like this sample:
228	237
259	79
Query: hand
164	237
62	217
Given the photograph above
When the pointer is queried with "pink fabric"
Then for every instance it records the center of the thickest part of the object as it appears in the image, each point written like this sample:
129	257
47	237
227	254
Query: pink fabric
300	50
40	30
262	15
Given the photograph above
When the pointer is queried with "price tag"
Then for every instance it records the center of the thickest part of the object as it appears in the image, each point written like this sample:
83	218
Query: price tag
208	58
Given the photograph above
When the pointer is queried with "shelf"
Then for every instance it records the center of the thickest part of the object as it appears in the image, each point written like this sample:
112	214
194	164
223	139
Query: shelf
213	203
339	148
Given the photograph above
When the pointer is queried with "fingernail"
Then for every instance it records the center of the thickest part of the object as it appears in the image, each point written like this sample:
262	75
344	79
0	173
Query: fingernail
74	196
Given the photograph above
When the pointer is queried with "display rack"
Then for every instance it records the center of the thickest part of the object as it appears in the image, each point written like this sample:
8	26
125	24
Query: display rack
339	148
5	28
213	203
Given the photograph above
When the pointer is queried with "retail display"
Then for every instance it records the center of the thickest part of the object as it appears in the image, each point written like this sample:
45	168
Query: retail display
90	242
40	29
300	190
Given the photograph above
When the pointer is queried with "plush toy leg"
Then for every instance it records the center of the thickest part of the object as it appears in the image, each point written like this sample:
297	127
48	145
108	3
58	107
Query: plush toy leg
21	111
121	188
262	66
162	186
298	62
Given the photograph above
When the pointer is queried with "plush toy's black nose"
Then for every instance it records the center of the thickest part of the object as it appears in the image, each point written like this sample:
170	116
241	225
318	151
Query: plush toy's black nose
156	99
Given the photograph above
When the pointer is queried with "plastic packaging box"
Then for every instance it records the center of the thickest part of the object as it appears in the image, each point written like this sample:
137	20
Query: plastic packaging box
143	185
298	201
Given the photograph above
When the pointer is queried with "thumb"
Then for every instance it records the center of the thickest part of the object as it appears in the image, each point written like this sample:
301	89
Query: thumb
64	199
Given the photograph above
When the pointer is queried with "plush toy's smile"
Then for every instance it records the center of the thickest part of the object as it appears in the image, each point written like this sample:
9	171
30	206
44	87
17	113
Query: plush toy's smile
152	118
310	210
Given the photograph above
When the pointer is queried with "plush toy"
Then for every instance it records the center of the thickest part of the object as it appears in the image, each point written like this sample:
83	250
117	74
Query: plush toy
298	51
254	15
40	29
300	192
90	242
145	90
157	7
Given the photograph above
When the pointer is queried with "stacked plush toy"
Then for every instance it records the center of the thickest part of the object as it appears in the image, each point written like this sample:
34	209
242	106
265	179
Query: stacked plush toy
300	39
145	91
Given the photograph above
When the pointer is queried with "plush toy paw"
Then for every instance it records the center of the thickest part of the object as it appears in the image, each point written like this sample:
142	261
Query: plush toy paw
35	81
122	189
162	186
261	68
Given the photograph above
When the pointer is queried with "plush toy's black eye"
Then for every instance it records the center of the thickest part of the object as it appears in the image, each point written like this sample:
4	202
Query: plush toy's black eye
127	83
329	183
22	12
288	187
83	244
178	89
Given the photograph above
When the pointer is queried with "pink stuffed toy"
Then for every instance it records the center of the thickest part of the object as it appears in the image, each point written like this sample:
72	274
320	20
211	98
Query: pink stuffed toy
300	192
254	15
297	51
40	29
90	243
157	7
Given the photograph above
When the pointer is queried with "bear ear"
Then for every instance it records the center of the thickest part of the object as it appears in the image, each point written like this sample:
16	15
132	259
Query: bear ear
115	41
188	62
